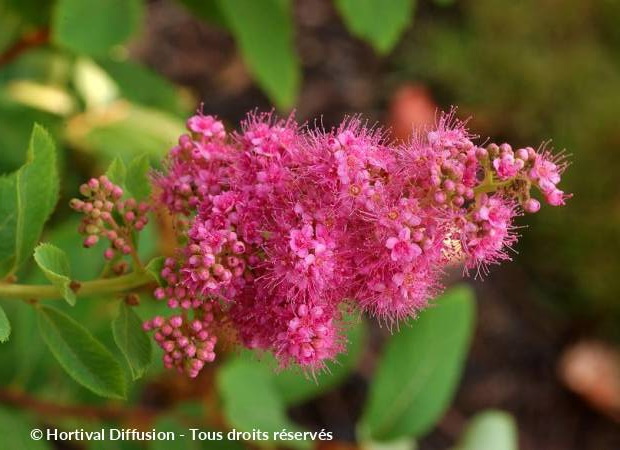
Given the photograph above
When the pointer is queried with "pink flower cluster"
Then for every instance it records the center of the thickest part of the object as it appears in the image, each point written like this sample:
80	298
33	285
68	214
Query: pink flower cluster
288	227
107	215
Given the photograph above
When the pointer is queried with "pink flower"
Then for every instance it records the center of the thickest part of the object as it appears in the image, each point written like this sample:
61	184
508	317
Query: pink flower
546	173
507	166
402	248
208	126
281	227
556	197
301	240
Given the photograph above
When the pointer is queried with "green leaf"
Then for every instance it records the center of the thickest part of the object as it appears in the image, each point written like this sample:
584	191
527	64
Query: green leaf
117	172
27	198
83	357
127	130
95	26
490	430
295	387
154	267
15	130
264	32
95	86
251	400
55	265
376	21
141	85
137	181
5	326
15	430
35	12
420	370
82	261
132	340
206	10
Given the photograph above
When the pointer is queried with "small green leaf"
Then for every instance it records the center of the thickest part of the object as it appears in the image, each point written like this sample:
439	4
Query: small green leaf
117	172
132	340
55	265
95	26
83	357
420	370
154	267
137	181
28	197
376	21
490	430
251	400
5	326
264	33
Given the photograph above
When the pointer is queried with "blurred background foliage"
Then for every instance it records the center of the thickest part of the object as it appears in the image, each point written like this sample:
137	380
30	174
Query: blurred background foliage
117	78
530	71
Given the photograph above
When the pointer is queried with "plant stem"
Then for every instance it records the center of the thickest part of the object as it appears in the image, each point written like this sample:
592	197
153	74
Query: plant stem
45	408
26	42
105	286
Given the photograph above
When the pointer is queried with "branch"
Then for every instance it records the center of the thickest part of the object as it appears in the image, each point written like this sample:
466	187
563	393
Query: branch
45	408
25	43
105	286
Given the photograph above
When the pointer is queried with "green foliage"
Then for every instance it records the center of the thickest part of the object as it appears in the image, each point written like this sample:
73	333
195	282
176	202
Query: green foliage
5	326
28	197
167	423
55	265
95	26
490	430
131	339
83	357
154	267
84	263
295	387
251	400
15	129
263	30
127	130
117	172
33	12
380	23
142	86
137	180
10	25
15	430
420	369
207	10
93	84
541	74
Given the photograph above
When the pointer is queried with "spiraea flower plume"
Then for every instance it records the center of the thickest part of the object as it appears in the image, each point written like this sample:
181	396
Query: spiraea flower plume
285	228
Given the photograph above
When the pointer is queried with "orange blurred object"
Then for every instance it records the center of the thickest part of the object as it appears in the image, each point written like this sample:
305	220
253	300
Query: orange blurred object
411	106
592	370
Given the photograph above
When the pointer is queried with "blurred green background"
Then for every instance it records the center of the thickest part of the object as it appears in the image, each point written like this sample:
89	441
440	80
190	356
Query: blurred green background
118	78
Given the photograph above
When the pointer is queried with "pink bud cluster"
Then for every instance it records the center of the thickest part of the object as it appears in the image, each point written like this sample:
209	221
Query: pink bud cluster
187	344
288	226
107	215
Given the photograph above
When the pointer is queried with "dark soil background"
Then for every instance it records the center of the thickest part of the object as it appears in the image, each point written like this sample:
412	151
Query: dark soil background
519	338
